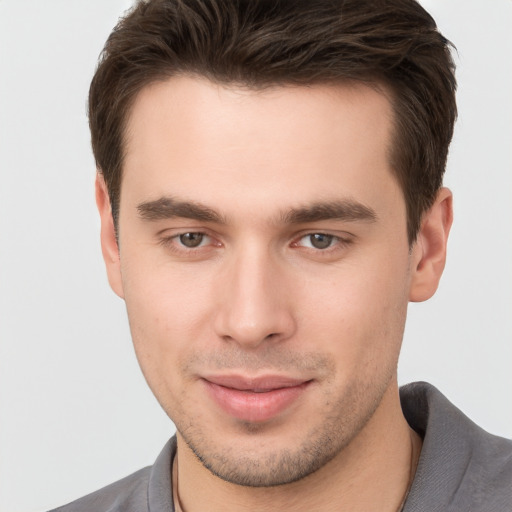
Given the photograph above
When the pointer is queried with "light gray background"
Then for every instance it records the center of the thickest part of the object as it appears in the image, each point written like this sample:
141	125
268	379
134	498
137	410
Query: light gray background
75	411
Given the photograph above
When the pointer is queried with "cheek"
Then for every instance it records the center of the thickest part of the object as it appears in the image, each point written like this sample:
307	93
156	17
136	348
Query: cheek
359	315
164	297
166	312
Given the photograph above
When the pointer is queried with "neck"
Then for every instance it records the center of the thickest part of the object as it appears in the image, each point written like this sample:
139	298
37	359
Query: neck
374	472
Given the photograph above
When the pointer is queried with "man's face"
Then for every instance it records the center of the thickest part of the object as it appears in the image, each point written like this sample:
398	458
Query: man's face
265	267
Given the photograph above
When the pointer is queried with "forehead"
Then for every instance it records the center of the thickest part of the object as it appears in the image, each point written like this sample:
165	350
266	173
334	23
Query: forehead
233	145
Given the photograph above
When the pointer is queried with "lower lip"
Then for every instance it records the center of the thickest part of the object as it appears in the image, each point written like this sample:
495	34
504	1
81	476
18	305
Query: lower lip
251	406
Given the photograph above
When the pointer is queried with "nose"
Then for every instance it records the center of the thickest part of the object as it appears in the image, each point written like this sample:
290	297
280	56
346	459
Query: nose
254	306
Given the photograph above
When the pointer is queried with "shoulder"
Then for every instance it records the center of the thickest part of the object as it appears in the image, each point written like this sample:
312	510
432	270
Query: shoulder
461	467
149	489
127	494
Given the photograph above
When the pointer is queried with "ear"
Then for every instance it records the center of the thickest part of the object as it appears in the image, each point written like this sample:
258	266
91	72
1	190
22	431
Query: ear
429	249
109	246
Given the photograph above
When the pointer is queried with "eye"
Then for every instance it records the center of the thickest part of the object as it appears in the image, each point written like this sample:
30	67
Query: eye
189	245
318	241
192	240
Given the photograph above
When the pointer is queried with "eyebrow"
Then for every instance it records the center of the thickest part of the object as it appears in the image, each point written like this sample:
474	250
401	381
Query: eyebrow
169	208
345	210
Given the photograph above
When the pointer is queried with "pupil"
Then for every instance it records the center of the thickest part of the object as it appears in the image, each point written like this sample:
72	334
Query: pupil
321	241
191	239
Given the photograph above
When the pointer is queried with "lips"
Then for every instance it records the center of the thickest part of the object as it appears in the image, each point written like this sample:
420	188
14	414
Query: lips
254	399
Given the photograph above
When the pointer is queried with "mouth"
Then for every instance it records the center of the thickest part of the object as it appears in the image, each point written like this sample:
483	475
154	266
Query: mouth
255	399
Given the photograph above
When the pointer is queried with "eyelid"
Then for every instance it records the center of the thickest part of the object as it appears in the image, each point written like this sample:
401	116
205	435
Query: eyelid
169	238
340	237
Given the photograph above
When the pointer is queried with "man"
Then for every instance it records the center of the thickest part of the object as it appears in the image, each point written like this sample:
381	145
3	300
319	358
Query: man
270	191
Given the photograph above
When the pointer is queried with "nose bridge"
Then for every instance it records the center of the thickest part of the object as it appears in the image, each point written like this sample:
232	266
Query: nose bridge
253	306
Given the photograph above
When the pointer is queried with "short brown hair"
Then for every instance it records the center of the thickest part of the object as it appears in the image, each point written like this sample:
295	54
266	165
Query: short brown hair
258	43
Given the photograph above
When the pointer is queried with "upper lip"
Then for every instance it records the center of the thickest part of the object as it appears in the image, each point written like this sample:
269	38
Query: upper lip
261	383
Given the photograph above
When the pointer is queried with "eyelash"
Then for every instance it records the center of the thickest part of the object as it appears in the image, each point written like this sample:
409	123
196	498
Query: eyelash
336	243
172	243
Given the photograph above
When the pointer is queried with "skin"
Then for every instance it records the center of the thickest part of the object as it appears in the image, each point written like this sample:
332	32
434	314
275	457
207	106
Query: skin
261	296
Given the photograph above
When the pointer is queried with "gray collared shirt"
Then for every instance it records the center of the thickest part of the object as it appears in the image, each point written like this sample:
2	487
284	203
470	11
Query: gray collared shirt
461	467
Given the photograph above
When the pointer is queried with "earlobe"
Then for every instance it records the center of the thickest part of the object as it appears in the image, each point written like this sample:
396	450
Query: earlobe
429	250
109	245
